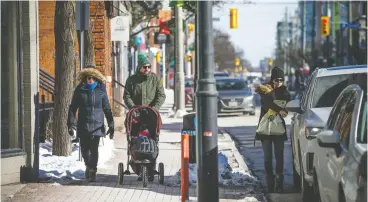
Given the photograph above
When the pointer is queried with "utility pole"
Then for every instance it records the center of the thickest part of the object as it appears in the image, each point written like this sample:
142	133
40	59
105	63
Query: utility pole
179	63
206	109
313	36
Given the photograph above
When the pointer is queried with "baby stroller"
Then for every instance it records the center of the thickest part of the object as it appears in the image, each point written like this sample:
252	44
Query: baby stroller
142	125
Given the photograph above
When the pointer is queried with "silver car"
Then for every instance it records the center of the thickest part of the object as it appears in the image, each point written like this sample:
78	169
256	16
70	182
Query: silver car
342	147
234	96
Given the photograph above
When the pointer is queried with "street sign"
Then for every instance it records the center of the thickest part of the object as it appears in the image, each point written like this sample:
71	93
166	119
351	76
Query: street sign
120	28
349	25
161	38
82	15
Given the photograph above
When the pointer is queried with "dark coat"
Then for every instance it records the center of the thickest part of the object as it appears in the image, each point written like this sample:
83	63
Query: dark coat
145	90
91	106
268	95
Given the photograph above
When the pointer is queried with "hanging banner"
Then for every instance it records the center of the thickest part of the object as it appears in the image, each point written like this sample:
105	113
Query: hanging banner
120	29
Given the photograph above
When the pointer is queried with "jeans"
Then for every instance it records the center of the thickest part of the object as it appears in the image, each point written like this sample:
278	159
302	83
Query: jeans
89	148
279	155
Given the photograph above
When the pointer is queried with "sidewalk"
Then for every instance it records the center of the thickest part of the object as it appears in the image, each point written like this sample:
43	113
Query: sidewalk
107	188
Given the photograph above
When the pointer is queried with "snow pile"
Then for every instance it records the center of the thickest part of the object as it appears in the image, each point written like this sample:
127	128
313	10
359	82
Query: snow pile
227	175
62	169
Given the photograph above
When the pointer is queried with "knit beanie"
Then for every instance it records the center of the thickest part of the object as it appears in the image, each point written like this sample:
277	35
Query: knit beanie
142	60
277	73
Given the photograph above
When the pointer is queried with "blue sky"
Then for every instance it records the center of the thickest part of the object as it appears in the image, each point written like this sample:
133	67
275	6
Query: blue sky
256	33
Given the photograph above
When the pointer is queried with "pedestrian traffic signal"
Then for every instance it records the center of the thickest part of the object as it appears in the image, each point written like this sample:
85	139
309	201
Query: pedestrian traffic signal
191	28
237	61
325	26
233	18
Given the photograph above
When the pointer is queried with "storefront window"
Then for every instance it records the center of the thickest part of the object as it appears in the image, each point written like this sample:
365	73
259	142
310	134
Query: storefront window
11	133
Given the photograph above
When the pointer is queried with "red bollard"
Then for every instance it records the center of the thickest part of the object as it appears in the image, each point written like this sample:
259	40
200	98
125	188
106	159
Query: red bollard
184	166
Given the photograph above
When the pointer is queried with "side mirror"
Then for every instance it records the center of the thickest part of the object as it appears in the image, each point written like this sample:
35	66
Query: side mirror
294	106
328	138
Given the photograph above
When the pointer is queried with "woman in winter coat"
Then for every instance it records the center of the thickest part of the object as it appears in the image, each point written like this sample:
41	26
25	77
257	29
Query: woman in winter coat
91	101
269	92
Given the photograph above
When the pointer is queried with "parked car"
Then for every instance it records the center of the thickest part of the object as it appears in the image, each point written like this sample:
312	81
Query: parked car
189	90
311	114
234	96
338	172
221	74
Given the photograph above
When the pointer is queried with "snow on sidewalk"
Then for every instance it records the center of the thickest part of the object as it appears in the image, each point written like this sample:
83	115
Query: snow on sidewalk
65	169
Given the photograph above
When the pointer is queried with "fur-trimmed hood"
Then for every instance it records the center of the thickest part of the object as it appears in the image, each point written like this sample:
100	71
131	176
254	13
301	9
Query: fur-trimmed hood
91	72
264	88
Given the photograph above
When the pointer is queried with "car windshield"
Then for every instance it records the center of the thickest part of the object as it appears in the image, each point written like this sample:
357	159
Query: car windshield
221	74
231	85
327	89
188	83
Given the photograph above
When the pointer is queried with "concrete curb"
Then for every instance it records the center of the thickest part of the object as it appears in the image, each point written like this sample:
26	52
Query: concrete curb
239	158
235	151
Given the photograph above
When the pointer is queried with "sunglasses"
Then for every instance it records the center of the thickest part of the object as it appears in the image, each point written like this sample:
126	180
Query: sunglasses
146	67
90	78
278	80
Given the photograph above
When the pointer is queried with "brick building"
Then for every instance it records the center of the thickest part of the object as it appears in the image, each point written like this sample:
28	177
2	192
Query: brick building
100	23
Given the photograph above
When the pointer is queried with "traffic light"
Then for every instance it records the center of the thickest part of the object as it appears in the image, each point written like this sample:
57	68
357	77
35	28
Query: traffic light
191	28
325	26
237	61
158	57
233	18
270	62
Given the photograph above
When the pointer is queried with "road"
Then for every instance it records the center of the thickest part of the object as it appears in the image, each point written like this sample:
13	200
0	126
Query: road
242	128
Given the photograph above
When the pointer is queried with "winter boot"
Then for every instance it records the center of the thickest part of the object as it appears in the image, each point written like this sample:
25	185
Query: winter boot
92	175
86	172
270	179
279	183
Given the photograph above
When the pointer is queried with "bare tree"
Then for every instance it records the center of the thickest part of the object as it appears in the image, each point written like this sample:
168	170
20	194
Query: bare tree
64	30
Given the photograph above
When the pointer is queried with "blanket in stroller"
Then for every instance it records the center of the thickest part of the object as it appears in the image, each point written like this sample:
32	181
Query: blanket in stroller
144	147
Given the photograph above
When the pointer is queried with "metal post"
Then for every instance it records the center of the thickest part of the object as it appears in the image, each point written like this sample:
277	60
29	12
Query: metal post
82	50
163	65
179	63
313	37
206	110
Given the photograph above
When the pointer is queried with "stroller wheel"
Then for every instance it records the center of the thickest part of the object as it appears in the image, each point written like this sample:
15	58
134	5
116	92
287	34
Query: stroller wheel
161	173
121	173
144	171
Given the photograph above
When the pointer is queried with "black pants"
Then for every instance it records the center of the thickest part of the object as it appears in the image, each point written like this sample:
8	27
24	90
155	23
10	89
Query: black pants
279	155
89	147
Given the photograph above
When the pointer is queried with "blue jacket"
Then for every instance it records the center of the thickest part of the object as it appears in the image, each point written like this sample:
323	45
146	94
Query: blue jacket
91	106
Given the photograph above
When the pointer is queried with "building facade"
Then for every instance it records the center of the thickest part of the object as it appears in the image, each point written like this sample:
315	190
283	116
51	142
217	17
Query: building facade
19	90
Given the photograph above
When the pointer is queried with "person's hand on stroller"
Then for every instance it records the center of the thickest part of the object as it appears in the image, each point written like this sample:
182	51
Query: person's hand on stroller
110	132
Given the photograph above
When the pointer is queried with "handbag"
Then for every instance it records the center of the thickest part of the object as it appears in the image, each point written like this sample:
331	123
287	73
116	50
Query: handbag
272	123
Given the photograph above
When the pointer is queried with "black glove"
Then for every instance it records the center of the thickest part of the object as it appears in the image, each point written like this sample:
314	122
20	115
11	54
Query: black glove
110	132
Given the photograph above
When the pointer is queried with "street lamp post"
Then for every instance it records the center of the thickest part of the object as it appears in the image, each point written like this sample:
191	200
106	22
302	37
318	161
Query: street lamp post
206	109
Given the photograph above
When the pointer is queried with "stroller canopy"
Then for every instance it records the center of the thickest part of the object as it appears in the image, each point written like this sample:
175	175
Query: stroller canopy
144	114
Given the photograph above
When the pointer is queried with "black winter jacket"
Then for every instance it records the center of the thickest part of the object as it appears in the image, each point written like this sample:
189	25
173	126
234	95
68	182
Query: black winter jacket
92	105
268	95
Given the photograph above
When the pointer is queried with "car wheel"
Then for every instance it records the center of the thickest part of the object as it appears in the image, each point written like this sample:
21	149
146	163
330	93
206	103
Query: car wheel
296	177
316	186
307	190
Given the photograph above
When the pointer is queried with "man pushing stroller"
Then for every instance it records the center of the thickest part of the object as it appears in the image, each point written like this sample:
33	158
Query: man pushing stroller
144	89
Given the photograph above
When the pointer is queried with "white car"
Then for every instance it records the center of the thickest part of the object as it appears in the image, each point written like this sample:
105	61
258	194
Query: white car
342	144
311	114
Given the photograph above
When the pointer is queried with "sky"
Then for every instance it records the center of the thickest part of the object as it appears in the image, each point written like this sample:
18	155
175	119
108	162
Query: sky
256	32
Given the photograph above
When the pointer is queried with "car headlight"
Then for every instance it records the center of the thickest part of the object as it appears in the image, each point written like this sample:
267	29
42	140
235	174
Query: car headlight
311	132
248	98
